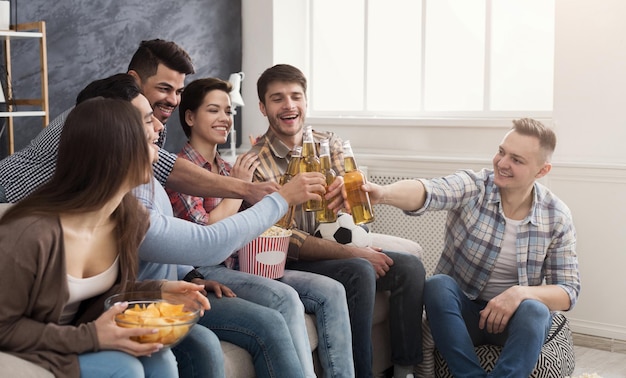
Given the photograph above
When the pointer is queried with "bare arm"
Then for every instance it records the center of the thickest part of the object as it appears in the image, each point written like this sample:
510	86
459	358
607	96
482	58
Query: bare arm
188	178
406	195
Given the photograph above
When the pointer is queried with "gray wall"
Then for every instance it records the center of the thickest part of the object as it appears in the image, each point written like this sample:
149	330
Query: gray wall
90	40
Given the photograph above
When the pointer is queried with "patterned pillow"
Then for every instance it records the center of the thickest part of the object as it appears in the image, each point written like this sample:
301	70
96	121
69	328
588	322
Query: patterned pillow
556	358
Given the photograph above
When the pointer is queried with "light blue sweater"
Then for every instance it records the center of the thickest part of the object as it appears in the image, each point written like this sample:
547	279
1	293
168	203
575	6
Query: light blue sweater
173	246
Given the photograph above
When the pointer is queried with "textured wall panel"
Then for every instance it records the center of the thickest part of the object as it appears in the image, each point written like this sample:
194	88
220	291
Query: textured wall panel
427	229
90	40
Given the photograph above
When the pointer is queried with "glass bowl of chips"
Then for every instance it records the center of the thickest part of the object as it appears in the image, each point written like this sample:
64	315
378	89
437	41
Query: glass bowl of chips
173	316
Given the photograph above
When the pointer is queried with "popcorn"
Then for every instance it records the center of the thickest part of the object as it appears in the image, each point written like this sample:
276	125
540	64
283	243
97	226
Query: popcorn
276	231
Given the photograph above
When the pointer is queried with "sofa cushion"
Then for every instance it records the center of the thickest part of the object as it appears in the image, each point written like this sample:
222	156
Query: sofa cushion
16	367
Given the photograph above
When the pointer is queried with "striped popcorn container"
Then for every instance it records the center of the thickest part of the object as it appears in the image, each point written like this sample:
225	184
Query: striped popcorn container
266	255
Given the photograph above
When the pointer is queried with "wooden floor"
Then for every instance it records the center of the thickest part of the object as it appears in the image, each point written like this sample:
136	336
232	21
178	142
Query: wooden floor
603	363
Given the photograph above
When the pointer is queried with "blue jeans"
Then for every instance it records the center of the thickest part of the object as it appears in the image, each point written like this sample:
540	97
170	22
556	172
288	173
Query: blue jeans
260	330
405	281
453	320
199	354
323	297
116	364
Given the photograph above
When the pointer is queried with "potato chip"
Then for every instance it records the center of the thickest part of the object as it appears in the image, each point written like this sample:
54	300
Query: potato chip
168	309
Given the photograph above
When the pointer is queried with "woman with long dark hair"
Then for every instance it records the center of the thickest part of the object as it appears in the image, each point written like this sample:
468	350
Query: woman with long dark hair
73	243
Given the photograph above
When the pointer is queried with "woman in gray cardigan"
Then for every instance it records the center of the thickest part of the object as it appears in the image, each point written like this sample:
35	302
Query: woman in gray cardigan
73	242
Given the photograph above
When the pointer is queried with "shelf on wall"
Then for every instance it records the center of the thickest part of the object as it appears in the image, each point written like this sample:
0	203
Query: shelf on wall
20	31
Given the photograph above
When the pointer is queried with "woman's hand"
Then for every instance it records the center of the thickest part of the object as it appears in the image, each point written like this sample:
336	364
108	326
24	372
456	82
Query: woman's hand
184	291
244	167
113	337
303	187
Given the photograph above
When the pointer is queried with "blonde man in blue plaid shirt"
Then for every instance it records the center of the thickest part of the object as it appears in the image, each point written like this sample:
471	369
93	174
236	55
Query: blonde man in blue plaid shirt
509	258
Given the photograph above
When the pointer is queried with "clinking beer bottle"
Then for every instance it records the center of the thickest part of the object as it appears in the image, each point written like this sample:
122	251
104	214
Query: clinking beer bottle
353	180
326	215
310	163
286	221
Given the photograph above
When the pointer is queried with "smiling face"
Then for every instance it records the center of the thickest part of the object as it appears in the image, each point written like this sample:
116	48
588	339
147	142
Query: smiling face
152	125
212	121
519	162
163	91
285	108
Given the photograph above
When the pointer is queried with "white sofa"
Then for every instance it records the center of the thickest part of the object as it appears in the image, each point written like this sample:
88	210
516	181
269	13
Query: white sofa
238	362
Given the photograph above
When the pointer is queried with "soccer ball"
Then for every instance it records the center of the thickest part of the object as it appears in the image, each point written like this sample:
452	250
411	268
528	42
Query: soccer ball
344	231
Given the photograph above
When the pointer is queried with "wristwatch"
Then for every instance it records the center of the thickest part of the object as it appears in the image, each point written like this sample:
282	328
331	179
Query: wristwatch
193	274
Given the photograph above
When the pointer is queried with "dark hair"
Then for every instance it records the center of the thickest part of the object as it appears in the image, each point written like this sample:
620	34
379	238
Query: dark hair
193	96
534	128
102	149
151	53
121	86
280	72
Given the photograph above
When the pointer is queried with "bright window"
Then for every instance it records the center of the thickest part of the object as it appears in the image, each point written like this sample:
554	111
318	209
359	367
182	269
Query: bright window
419	58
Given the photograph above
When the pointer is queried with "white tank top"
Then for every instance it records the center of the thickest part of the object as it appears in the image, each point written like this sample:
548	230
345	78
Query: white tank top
84	288
504	274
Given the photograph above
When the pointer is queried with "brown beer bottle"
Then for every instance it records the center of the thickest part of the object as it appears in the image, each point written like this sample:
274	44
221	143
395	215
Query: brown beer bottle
353	180
326	215
293	167
310	163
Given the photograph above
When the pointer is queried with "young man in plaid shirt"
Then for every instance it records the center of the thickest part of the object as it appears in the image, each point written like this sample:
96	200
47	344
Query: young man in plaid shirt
361	270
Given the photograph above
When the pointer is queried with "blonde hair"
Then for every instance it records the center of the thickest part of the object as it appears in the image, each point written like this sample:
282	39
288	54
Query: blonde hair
534	128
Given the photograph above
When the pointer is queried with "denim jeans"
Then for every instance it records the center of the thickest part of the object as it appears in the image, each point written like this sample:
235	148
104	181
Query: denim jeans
116	364
405	281
199	354
453	320
260	330
292	295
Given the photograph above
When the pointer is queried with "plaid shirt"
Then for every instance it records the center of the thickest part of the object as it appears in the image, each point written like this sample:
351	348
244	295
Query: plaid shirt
196	209
274	157
27	169
546	238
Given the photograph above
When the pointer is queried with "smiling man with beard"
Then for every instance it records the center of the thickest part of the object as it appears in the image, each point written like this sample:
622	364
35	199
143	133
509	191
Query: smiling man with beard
160	68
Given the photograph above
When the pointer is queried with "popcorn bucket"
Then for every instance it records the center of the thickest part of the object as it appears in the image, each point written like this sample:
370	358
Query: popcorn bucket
266	255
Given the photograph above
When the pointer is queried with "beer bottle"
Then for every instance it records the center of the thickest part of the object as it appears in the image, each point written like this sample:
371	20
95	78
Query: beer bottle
292	169
310	163
326	215
353	179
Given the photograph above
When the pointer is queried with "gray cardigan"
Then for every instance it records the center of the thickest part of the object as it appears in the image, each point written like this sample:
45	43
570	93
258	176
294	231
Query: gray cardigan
33	293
